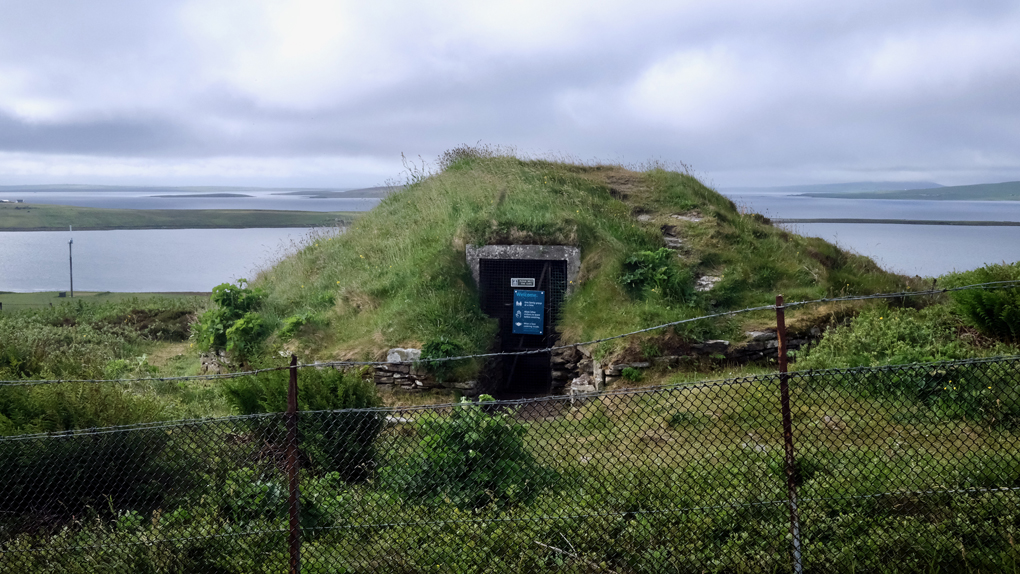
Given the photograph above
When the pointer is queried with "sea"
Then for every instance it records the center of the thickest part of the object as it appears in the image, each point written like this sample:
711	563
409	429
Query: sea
908	249
198	259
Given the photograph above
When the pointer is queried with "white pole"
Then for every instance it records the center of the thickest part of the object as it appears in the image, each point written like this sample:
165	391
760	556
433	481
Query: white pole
70	260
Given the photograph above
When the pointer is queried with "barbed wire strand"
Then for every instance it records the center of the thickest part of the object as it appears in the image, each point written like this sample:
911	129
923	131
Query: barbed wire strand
510	403
544	350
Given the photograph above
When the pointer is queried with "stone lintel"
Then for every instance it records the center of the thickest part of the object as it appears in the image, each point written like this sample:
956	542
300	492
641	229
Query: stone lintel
572	255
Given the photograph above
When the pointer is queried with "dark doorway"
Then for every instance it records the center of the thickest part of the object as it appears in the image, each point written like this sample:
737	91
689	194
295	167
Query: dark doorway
523	375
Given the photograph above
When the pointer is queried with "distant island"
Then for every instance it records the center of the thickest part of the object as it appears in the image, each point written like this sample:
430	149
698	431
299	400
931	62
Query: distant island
979	223
1007	191
175	192
368	192
179	195
45	217
831	188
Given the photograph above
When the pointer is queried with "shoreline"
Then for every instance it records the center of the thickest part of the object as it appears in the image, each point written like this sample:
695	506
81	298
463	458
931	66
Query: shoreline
155	227
48	217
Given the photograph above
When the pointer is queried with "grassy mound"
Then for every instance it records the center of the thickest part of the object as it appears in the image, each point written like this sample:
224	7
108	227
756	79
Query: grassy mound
398	276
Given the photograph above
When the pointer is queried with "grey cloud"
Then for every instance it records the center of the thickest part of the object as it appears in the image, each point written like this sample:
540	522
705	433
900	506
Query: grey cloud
98	136
796	112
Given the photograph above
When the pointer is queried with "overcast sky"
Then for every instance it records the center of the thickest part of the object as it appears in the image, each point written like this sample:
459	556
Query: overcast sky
303	92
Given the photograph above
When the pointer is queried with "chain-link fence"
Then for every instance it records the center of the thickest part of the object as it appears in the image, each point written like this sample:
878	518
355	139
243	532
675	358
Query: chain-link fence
900	469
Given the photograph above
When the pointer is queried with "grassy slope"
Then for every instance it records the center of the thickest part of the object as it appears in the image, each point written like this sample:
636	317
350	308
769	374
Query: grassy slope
41	217
1008	191
399	277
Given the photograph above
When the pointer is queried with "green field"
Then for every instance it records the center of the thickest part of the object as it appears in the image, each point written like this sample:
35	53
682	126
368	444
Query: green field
15	301
40	217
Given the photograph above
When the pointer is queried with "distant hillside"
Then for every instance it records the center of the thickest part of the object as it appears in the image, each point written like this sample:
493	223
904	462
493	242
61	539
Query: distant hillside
829	188
45	217
367	192
86	188
1007	191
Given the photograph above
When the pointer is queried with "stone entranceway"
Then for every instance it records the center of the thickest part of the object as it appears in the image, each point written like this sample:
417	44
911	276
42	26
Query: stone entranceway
499	271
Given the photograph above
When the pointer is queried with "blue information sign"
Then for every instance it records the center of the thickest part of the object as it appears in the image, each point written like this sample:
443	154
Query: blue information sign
529	312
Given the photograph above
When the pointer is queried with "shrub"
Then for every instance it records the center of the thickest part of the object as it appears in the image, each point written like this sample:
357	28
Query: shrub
245	335
333	440
471	459
238	299
632	374
884	336
657	272
292	324
54	478
43	345
72	406
439	349
210	331
251	494
233	324
996	312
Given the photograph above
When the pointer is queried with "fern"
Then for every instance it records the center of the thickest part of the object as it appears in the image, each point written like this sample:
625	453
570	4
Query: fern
994	312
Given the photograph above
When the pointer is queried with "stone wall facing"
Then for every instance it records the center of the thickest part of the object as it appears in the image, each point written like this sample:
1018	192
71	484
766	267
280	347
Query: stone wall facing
574	370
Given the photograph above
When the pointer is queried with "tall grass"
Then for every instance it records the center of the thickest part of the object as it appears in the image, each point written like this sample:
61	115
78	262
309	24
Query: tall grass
81	340
885	335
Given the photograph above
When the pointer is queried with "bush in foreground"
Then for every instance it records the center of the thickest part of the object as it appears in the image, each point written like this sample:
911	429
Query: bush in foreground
333	441
471	459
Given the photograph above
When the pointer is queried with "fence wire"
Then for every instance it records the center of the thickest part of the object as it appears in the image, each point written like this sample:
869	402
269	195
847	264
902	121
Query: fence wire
896	469
993	285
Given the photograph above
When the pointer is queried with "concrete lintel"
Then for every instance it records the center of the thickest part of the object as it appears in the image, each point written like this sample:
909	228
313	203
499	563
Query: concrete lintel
572	255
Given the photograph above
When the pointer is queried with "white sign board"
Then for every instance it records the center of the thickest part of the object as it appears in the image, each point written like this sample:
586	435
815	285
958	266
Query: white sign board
522	282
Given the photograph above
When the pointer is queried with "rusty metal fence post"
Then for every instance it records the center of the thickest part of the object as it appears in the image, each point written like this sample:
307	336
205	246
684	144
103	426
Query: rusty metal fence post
790	458
292	469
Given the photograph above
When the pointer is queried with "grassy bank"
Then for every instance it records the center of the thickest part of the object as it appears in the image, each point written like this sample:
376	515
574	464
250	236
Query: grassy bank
42	217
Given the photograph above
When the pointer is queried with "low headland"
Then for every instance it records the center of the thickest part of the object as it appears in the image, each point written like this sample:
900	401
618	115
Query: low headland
1006	191
46	217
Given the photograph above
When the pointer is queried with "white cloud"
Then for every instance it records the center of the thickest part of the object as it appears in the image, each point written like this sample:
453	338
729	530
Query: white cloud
304	53
939	61
697	90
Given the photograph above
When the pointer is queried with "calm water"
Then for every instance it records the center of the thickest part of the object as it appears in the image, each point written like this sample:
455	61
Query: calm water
799	207
926	250
199	259
139	260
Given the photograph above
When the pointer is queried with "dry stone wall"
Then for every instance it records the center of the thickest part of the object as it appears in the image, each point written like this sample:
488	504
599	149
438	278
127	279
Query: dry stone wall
574	370
398	373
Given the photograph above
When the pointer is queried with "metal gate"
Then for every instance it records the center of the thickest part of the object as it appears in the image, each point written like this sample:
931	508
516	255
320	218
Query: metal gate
523	374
